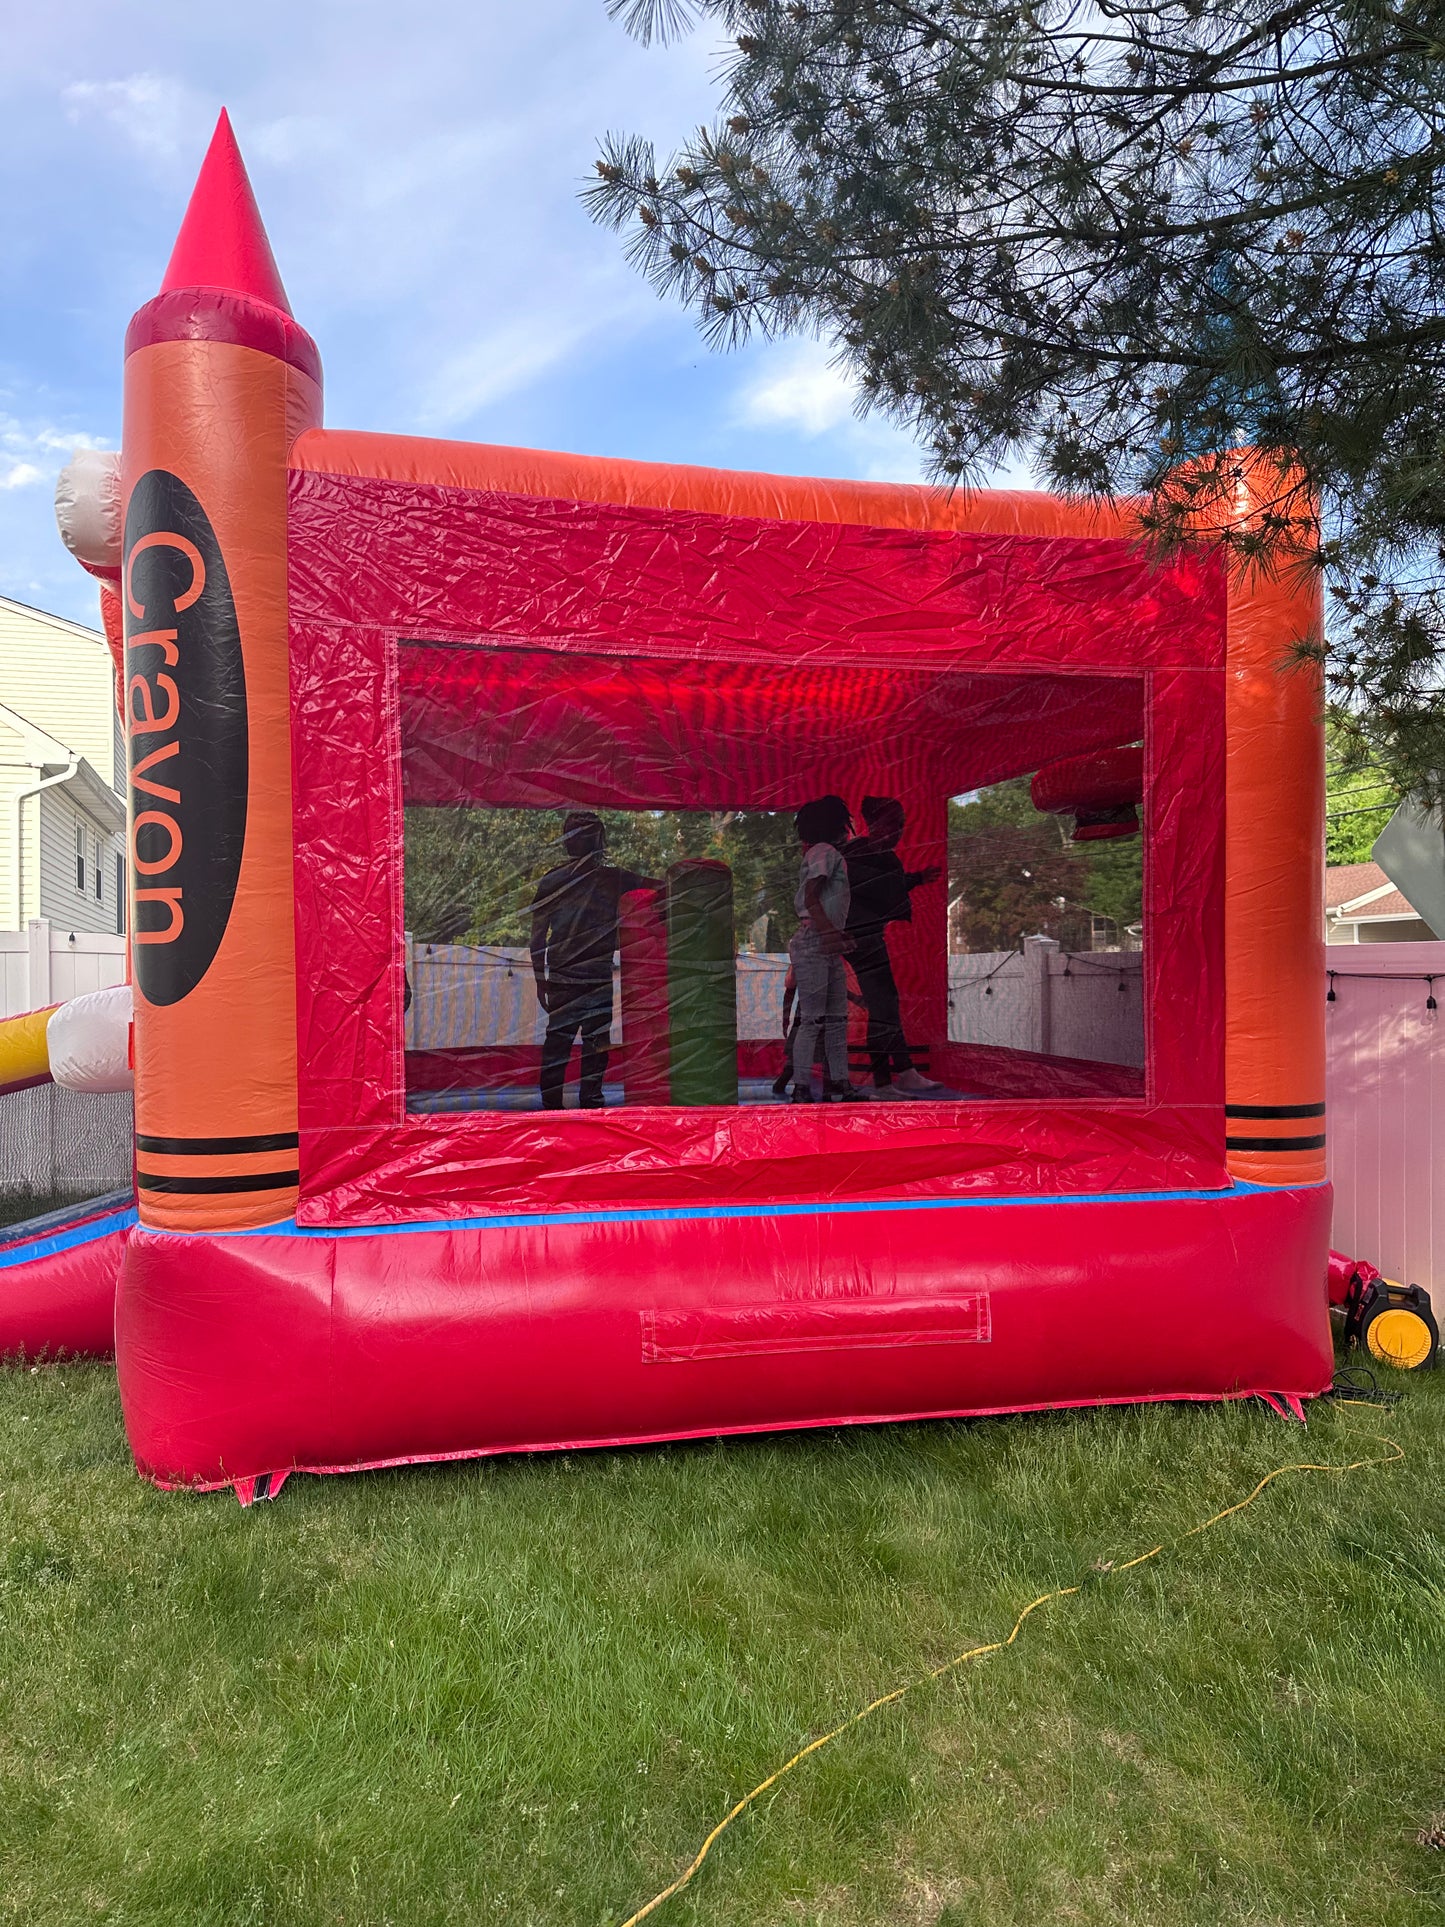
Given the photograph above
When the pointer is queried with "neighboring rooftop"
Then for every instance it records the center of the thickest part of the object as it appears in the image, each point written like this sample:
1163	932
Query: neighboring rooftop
60	677
1358	889
28	610
1363	906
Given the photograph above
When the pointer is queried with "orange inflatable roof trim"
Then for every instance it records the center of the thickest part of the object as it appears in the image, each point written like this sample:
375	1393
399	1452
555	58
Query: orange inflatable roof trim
711	491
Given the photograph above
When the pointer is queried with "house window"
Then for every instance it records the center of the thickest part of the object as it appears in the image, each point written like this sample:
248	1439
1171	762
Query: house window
80	859
99	872
120	896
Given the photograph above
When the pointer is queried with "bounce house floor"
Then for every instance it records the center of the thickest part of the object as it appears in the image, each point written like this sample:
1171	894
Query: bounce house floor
751	1091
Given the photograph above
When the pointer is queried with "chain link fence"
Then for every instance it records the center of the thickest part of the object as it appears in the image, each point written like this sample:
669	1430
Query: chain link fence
57	1144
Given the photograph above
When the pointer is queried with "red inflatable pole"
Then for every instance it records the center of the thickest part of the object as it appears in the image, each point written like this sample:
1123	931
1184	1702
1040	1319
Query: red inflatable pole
642	946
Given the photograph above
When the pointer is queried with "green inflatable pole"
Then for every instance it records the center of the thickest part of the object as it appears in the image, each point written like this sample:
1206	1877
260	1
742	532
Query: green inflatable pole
702	993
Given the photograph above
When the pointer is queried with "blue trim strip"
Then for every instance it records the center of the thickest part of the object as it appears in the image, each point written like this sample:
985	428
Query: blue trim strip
517	1221
80	1234
78	1211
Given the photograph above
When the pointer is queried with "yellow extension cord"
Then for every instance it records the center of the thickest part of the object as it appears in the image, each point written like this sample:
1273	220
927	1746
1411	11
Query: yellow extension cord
1393	1457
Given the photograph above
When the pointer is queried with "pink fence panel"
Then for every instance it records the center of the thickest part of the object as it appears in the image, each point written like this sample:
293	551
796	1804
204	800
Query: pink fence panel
1385	1089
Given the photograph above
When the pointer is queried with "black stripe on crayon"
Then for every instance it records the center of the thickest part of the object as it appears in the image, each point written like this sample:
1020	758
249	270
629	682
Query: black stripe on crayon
205	1147
1275	1143
1274	1110
202	1187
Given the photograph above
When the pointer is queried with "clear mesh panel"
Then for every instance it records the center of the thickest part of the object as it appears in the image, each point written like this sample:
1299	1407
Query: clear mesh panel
648	882
666	952
1045	932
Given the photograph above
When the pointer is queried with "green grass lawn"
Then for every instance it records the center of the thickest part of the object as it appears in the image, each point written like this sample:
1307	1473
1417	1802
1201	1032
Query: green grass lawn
523	1690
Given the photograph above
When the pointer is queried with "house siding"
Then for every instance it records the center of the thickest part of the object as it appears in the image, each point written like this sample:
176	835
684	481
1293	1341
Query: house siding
13	779
59	899
60	677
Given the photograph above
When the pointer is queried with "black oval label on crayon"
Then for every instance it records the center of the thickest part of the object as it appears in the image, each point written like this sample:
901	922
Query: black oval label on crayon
185	704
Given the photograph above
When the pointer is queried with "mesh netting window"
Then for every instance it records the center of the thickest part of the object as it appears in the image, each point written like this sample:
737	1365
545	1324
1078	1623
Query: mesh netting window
649	882
1046	921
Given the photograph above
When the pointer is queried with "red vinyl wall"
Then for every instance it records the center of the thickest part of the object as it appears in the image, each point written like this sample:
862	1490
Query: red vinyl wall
376	565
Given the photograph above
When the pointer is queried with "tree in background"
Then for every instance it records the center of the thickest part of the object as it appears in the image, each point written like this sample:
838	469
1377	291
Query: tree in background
1115	888
1358	804
1008	881
1013	872
1119	236
471	874
762	848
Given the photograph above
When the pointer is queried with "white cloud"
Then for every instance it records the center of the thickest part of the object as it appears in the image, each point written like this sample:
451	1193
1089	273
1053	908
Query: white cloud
901	463
30	442
805	392
32	453
34	565
798	389
293	138
155	112
57	441
496	365
512	356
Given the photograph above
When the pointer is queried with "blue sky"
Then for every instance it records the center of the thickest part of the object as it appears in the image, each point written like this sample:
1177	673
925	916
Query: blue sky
418	170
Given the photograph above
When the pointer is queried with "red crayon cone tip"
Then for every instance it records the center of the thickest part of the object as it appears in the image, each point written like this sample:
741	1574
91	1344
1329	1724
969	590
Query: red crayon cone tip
222	243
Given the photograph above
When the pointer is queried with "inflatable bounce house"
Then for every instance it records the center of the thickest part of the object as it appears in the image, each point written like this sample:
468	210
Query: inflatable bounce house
354	1249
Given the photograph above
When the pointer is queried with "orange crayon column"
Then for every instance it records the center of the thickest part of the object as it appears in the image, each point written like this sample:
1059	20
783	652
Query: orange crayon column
219	380
1274	1067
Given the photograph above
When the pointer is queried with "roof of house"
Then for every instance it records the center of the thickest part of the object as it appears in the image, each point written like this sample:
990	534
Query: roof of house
47	752
97	797
1359	892
44	750
53	621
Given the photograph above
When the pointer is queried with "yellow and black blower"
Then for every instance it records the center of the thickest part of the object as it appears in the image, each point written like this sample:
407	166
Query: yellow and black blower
1393	1323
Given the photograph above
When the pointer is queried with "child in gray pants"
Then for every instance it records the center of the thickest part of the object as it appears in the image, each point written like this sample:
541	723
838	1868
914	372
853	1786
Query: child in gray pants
818	948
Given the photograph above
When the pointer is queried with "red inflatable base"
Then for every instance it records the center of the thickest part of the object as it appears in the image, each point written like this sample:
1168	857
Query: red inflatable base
58	1277
266	1352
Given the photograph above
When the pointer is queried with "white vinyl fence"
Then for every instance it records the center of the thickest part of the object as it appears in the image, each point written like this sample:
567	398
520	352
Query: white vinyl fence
1065	1004
44	964
1040	999
465	996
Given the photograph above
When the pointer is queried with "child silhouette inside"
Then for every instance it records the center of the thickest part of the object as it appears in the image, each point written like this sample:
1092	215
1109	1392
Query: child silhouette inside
574	939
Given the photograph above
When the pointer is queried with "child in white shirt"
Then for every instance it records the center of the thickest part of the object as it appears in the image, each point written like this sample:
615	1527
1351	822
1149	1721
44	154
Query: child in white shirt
818	948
